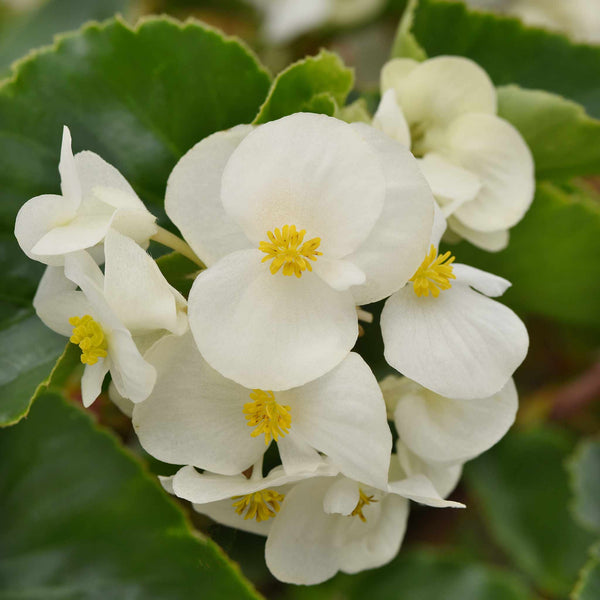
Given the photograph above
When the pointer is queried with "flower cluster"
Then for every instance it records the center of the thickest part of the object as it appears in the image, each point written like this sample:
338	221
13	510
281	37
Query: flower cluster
297	224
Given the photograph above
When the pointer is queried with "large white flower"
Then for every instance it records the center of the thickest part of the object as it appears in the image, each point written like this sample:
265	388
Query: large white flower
442	330
298	220
95	198
445	430
477	164
195	416
132	297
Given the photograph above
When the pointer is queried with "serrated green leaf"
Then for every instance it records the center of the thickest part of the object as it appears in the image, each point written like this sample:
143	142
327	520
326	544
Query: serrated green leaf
522	488
138	97
588	586
564	140
584	468
507	50
551	258
315	84
79	518
29	352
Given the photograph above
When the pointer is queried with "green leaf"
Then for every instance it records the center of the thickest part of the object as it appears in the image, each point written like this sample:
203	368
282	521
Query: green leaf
315	84
522	487
34	27
588	586
29	352
80	518
551	257
584	468
138	97
507	50
564	140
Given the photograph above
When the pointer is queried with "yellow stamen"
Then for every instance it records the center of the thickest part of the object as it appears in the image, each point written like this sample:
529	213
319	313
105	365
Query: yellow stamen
261	505
434	274
363	500
269	417
286	250
88	335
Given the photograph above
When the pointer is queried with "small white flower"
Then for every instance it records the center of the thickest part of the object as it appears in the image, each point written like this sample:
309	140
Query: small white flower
95	198
446	430
298	221
195	416
132	297
442	330
478	166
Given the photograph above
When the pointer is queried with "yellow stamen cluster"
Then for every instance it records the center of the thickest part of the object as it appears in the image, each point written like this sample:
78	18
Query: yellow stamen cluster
363	500
286	250
434	274
261	505
267	416
88	335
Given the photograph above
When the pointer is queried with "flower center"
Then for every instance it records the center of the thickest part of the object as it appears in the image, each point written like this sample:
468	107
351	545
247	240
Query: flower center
261	506
363	500
286	250
434	274
88	335
267	416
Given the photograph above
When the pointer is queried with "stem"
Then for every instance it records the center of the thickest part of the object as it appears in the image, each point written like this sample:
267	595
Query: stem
168	239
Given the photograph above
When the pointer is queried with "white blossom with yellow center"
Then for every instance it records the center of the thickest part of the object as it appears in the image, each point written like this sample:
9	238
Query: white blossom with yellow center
195	416
443	331
479	167
131	298
298	220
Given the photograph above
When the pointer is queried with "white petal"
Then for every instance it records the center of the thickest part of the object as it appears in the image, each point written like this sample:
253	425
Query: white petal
91	381
133	377
441	89
443	476
443	430
194	415
492	241
223	512
419	489
342	414
36	218
307	170
439	226
193	197
395	72
69	178
123	404
342	497
389	118
339	274
57	300
135	287
382	539
396	246
451	185
285	19
297	455
269	331
494	150
482	281
459	345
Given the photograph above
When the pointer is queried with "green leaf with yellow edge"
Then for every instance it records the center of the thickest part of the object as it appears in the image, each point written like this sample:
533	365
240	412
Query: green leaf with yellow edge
317	84
588	586
584	468
551	258
80	518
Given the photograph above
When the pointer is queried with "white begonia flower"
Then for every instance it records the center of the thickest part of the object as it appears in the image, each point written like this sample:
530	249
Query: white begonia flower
95	198
479	167
131	298
298	220
445	430
443	331
195	416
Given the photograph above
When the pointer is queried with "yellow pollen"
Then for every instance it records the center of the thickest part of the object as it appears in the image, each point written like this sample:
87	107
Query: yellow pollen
434	274
88	335
363	500
286	250
261	505
267	416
